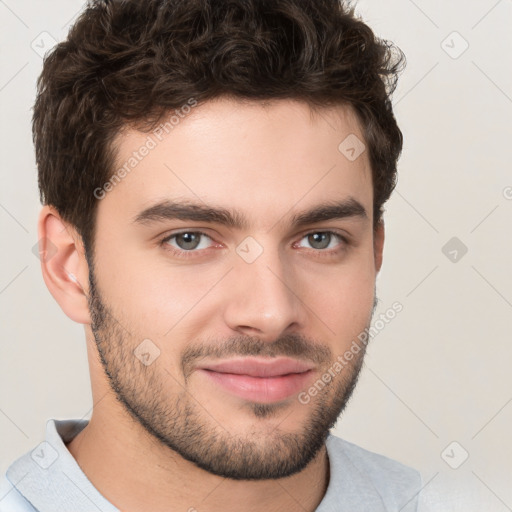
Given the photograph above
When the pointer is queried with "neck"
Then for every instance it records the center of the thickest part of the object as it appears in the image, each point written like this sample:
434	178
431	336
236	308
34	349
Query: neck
135	472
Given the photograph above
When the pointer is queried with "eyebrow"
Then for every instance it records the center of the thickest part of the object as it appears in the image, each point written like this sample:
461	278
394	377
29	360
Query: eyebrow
191	211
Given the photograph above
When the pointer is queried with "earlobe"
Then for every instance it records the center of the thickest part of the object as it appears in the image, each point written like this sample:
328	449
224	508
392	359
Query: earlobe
378	245
63	264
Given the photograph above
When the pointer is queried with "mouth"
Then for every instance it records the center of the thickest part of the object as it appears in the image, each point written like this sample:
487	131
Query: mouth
260	380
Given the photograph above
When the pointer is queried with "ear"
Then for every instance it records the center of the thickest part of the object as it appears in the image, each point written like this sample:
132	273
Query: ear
378	244
63	264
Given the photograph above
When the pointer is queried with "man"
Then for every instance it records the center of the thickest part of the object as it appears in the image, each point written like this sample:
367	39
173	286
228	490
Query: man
213	175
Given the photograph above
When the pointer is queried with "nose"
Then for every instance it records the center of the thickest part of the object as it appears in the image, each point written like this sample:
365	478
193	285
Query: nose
262	298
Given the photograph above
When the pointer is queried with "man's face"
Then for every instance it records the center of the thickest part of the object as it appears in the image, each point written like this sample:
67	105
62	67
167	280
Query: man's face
209	336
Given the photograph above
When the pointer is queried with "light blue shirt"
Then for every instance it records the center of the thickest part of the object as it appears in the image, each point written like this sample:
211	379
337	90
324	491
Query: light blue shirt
48	479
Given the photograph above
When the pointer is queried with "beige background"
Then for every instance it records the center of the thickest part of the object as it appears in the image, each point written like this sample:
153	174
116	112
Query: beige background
440	371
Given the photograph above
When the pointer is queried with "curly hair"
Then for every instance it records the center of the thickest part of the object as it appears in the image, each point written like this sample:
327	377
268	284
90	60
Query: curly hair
131	62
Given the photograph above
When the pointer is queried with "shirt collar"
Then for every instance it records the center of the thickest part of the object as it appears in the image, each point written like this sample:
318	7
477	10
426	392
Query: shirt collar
349	488
50	478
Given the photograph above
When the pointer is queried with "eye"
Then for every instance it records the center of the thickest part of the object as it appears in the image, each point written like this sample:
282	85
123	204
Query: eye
187	244
186	241
321	240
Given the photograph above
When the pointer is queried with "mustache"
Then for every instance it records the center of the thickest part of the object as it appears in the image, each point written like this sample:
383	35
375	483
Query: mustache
290	345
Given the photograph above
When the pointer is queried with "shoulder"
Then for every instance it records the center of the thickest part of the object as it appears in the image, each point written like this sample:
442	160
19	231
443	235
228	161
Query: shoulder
373	464
396	484
11	500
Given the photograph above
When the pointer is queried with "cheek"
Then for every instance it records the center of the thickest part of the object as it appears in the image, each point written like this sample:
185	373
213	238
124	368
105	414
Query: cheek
143	292
343	298
169	304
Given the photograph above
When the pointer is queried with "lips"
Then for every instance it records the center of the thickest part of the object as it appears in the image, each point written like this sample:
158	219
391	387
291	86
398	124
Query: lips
260	367
259	380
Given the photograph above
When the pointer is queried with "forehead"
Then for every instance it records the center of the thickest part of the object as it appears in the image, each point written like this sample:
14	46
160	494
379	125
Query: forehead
262	159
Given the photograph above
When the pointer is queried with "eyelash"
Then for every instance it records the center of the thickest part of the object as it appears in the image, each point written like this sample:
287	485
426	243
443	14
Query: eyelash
193	253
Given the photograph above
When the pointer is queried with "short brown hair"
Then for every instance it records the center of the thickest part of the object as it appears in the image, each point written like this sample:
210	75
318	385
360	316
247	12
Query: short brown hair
130	62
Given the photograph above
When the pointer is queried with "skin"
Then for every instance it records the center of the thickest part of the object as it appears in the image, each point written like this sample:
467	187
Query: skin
268	162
